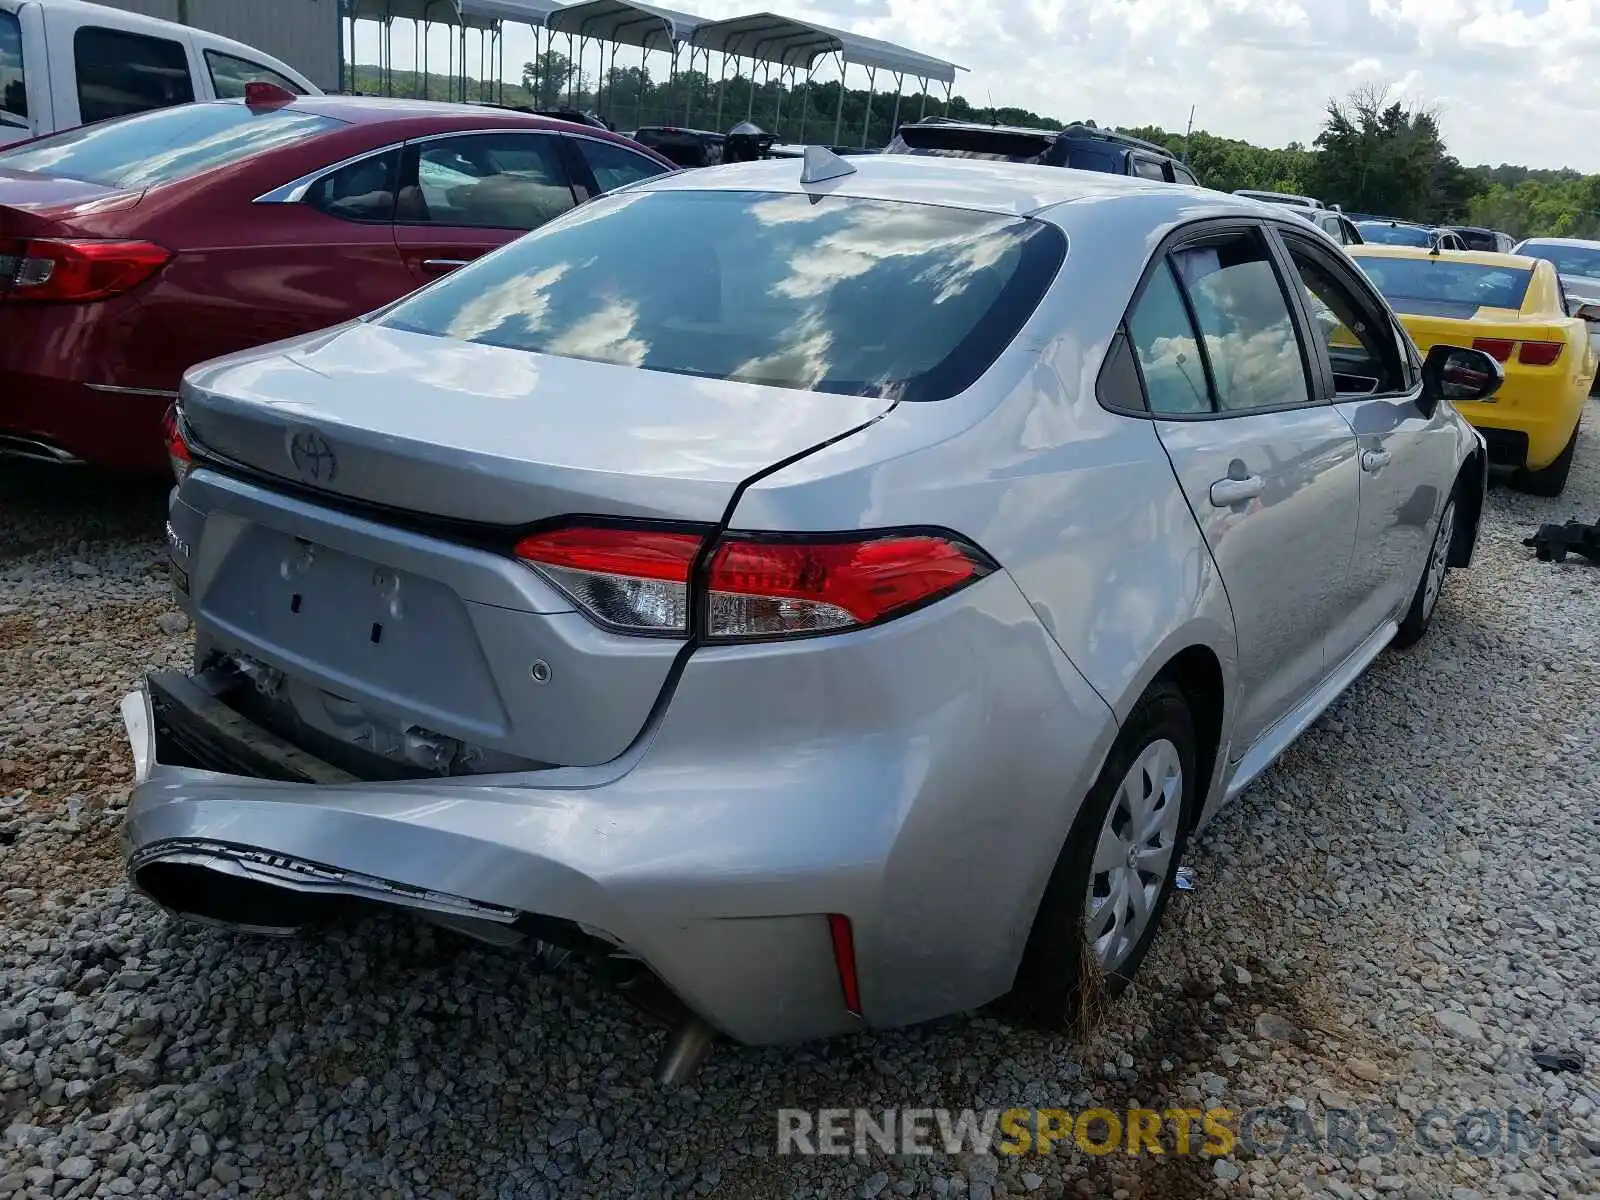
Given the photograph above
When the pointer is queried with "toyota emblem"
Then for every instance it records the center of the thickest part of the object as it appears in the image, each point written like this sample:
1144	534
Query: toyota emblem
311	456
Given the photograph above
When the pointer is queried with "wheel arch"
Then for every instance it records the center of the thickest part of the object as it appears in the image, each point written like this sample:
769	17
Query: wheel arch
1472	482
1197	672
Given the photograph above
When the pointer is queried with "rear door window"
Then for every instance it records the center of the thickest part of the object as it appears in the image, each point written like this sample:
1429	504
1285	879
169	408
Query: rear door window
361	191
823	293
121	73
613	166
1149	168
486	181
230	74
170	144
13	85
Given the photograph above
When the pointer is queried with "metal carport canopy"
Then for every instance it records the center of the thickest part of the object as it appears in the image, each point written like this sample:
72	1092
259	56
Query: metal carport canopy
444	12
527	12
625	23
768	37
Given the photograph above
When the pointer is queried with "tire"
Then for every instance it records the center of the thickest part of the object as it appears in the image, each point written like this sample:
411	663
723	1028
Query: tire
1049	991
1426	598
1551	480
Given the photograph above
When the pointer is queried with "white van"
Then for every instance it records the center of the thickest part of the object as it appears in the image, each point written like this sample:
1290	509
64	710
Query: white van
67	62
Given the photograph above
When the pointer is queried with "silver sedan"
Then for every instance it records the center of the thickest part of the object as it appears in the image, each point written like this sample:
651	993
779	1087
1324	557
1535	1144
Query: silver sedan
835	590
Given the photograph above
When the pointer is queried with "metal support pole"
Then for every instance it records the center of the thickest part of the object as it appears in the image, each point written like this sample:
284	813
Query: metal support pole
722	85
611	80
948	88
572	70
872	87
672	81
894	121
805	104
838	115
688	103
924	111
750	106
777	115
425	28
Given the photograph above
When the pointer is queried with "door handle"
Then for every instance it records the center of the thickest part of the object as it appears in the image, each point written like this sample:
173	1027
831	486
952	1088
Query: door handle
1225	493
1375	460
438	266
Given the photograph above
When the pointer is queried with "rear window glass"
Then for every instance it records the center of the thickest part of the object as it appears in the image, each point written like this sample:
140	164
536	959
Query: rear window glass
1569	260
1094	160
1440	279
828	294
13	93
1385	234
230	75
166	145
950	141
1477	239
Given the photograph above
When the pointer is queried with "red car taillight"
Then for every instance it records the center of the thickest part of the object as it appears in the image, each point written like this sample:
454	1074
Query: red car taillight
1496	348
764	589
1539	354
40	270
177	449
642	580
635	580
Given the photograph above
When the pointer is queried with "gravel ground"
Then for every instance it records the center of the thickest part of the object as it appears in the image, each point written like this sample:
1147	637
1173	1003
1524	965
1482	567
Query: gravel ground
1396	916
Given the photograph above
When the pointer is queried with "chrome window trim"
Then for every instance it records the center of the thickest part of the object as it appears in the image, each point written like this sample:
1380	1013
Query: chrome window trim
295	190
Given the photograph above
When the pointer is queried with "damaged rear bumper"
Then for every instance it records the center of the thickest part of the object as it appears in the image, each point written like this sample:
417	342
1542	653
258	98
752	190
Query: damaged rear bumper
927	806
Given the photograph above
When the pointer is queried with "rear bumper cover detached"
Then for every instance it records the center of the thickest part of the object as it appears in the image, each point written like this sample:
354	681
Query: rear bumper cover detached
917	777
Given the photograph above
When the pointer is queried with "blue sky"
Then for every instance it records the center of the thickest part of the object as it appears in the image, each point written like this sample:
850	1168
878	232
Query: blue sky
1512	80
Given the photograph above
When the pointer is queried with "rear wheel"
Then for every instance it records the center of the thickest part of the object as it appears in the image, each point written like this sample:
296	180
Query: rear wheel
1110	886
1551	480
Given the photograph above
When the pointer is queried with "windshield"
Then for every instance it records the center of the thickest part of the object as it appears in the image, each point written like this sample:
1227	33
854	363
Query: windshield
830	294
1582	261
165	144
1446	281
13	92
1385	234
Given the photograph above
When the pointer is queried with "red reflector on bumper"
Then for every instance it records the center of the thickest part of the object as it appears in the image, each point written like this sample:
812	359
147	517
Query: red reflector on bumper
844	954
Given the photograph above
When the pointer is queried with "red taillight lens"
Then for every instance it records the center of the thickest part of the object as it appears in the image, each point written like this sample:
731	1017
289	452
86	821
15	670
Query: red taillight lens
628	579
639	580
177	449
40	270
764	589
1539	354
1497	348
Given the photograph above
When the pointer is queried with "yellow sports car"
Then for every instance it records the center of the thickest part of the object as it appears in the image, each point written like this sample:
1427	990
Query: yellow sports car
1513	308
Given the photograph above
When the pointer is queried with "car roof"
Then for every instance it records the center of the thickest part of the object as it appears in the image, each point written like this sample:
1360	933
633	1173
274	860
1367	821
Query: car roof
1586	243
1076	130
981	185
1482	258
369	110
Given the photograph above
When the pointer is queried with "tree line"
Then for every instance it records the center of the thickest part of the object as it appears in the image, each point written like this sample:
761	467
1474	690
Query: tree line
1374	154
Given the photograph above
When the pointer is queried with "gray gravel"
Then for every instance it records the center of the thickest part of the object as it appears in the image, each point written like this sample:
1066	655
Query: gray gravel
1398	914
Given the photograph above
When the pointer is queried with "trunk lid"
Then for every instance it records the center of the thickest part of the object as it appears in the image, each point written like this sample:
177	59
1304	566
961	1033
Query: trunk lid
36	205
335	624
497	436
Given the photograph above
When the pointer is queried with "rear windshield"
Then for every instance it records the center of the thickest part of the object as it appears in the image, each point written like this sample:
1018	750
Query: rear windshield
1385	234
829	294
165	145
13	95
1582	261
1477	239
952	141
1441	279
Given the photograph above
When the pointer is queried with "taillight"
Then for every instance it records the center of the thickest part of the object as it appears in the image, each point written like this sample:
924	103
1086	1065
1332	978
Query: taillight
629	579
642	580
1496	348
765	589
177	449
39	270
1539	354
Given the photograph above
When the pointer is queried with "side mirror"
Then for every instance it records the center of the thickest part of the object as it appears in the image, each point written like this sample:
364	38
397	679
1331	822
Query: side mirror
1589	310
1459	373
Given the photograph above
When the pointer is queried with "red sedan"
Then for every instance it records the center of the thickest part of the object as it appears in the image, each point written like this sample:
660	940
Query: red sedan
133	249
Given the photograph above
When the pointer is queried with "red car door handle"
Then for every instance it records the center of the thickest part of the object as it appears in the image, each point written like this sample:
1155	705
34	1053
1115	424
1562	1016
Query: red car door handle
438	266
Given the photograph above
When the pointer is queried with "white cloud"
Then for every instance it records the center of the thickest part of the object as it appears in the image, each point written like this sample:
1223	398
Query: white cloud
1511	79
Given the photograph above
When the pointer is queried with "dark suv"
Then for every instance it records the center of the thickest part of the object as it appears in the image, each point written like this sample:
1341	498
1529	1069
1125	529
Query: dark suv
1085	147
